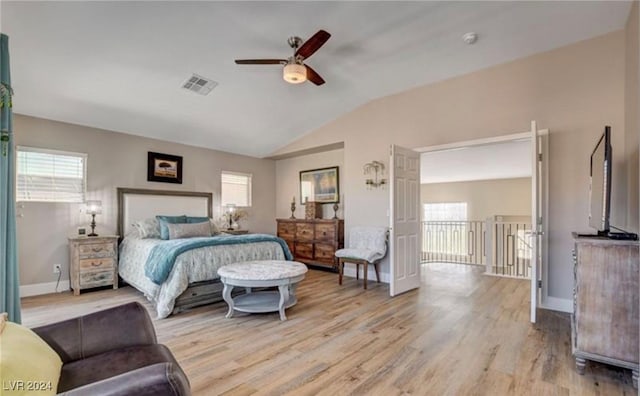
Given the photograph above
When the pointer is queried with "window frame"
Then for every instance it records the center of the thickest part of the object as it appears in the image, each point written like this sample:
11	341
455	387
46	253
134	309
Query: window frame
40	150
249	187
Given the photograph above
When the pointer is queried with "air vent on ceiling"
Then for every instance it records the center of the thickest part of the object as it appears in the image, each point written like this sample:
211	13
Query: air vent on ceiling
199	84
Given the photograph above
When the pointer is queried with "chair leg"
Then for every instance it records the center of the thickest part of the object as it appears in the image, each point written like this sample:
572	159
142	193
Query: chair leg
340	270
375	266
357	271
365	274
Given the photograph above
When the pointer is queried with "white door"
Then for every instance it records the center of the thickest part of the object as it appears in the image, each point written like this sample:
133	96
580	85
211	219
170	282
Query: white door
539	212
404	237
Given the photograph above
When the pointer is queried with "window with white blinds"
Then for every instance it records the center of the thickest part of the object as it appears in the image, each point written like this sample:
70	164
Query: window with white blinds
445	211
236	189
50	176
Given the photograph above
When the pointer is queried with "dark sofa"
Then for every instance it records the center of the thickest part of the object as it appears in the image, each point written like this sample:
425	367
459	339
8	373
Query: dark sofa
114	352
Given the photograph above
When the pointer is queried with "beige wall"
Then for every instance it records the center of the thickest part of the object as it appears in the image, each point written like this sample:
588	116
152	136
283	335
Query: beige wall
484	198
120	160
632	114
574	91
288	181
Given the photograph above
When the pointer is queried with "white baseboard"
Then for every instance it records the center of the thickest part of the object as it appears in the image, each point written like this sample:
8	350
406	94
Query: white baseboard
37	289
350	271
557	304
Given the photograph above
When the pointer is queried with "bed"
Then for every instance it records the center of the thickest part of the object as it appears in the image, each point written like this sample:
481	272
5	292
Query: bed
192	279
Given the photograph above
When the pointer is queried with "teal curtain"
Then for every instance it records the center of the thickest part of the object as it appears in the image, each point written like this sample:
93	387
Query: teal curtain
9	284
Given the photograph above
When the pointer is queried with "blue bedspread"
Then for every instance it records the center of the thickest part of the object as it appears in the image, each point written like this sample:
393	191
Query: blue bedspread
163	256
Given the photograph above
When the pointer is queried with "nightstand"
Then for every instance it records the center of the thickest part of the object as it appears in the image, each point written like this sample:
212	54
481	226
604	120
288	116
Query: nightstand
93	262
235	232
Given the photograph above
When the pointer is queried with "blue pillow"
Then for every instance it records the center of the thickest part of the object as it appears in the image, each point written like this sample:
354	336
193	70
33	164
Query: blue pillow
192	220
163	220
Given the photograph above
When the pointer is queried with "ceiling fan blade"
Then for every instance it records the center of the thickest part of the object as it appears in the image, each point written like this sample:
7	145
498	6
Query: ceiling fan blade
313	76
260	61
313	44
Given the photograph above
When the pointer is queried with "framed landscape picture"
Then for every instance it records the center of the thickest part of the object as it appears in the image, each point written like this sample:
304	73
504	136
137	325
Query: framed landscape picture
320	185
165	168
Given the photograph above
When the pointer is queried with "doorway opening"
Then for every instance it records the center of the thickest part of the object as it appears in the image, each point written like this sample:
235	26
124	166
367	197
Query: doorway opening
476	206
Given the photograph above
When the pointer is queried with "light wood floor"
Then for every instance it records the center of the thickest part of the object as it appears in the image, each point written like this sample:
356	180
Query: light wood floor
462	333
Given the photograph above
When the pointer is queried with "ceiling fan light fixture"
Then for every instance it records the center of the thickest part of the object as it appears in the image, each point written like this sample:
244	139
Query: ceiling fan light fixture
294	73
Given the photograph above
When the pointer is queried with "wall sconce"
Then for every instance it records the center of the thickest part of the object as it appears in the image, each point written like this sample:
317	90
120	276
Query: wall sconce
377	169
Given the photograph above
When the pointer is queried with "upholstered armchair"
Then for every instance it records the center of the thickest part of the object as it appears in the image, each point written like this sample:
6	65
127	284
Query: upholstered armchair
114	352
367	245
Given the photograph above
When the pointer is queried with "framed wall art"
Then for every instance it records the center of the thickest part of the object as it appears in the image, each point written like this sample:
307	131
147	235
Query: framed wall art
164	168
320	185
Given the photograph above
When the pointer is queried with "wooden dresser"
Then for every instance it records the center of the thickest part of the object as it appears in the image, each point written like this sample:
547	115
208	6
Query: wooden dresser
93	262
605	303
313	241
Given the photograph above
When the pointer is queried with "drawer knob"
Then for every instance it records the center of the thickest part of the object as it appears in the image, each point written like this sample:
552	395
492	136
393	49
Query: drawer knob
94	264
97	249
324	233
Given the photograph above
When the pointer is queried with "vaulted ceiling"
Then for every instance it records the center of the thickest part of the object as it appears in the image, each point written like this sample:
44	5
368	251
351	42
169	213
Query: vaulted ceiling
120	65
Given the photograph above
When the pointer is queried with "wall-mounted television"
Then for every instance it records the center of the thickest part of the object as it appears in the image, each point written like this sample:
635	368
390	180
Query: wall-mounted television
600	185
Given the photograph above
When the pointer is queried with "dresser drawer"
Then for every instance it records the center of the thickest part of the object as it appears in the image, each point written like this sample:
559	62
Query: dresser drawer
96	278
304	250
325	232
287	230
96	264
324	252
96	250
304	232
291	246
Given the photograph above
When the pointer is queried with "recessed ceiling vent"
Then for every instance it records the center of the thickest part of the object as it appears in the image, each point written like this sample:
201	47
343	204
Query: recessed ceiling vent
200	85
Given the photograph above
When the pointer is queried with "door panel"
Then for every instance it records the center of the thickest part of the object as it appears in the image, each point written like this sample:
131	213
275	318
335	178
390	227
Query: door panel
404	220
539	213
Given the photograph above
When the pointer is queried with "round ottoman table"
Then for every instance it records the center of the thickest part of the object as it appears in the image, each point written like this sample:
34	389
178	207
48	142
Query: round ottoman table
269	273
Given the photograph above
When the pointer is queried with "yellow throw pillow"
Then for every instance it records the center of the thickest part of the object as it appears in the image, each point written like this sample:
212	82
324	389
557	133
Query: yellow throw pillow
28	365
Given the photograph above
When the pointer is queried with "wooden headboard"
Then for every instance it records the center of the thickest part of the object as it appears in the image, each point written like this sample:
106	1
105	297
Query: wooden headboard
136	204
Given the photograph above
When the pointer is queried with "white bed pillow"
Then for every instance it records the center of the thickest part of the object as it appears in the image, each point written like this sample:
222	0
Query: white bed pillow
189	230
148	228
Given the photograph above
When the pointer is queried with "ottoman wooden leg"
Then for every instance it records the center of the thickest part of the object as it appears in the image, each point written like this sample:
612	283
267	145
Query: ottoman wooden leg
284	298
226	295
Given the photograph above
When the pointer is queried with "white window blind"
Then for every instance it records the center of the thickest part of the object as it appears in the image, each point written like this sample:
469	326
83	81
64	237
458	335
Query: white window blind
50	176
446	211
236	189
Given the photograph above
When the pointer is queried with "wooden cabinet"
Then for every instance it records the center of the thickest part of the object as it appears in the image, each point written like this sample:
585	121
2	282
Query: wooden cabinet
605	303
313	241
93	262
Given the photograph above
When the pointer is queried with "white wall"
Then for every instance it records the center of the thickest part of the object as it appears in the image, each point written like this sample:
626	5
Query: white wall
120	160
574	91
484	198
288	181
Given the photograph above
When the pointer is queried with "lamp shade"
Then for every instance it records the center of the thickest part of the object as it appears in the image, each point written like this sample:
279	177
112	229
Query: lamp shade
230	208
93	207
294	73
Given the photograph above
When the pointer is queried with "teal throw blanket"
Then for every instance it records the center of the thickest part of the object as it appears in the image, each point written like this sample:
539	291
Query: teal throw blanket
163	256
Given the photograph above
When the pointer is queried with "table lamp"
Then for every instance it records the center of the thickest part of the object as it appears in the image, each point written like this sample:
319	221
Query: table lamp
230	209
93	208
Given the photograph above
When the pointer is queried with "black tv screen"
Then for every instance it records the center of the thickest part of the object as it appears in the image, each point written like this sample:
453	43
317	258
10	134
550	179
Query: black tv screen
600	185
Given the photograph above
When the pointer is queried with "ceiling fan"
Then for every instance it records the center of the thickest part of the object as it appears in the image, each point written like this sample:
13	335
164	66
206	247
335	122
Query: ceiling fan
295	71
